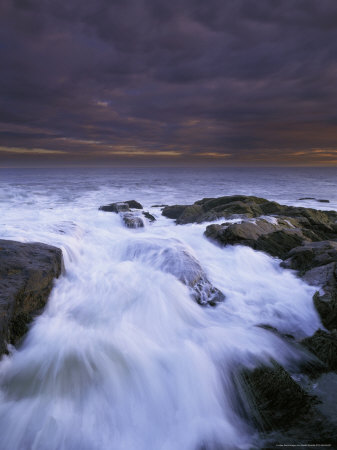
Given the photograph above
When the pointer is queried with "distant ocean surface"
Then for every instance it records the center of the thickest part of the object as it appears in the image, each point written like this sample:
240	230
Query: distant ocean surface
171	185
122	357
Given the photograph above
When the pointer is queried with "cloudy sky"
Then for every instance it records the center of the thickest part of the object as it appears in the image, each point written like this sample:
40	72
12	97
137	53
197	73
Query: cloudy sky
174	82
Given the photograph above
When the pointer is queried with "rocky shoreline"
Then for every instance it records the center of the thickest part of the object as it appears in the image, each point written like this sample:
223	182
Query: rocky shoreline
305	240
279	402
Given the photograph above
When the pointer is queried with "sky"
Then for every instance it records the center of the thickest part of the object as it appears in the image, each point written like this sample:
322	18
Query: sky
175	82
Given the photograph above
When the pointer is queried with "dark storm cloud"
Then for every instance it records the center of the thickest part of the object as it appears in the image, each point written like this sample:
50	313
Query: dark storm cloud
237	81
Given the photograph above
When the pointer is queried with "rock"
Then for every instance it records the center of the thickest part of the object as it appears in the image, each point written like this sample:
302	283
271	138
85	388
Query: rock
27	272
121	206
173	212
115	207
321	200
317	265
315	225
132	221
149	216
324	346
311	255
284	413
171	256
275	239
133	204
276	401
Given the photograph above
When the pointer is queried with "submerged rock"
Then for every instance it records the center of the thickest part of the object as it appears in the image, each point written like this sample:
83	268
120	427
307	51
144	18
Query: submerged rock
27	272
171	256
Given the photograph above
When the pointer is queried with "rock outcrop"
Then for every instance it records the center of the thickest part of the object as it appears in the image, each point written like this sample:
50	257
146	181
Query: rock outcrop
275	239
316	263
27	272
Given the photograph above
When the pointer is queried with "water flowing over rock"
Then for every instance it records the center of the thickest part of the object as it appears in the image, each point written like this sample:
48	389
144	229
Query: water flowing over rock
132	221
171	256
27	272
130	218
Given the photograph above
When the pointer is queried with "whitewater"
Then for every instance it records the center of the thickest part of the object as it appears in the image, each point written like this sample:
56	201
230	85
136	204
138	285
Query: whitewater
122	357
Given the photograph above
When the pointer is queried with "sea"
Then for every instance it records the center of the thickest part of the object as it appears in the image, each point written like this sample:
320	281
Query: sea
122	357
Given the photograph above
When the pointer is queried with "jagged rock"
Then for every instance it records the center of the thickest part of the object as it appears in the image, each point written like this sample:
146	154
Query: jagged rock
27	272
149	216
115	207
324	346
171	256
132	221
275	239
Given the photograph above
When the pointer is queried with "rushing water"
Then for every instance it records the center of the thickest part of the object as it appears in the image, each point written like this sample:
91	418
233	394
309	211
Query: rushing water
123	358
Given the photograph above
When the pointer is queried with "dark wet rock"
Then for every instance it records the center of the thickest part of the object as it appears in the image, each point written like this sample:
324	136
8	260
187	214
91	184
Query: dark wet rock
275	399
307	198
326	306
149	216
190	214
115	207
322	200
310	255
27	272
158	206
317	265
283	411
132	220
133	204
275	239
324	346
118	207
171	256
173	212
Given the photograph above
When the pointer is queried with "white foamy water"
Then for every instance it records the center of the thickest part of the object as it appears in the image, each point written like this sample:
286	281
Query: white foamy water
122	357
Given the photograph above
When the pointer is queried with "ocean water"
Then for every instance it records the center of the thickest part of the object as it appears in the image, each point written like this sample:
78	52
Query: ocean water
122	357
